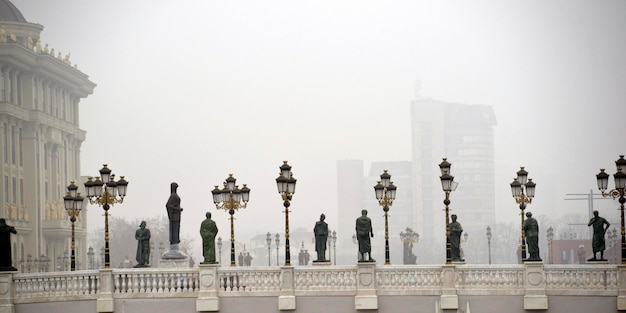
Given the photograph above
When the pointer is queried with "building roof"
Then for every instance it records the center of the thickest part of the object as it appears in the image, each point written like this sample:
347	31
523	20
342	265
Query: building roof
9	13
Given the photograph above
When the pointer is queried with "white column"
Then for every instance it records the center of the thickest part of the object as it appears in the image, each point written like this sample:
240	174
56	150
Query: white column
366	298
208	300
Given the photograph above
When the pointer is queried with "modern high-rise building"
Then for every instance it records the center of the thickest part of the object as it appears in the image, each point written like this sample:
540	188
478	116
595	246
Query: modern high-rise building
464	135
40	92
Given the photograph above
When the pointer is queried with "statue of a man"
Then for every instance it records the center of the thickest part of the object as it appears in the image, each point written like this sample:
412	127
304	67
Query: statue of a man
321	235
208	231
363	233
143	245
531	232
455	238
599	231
173	213
5	246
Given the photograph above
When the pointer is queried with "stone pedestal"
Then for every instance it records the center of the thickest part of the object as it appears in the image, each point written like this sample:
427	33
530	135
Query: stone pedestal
366	298
209	285
287	297
104	303
174	258
448	299
320	263
6	292
535	297
621	287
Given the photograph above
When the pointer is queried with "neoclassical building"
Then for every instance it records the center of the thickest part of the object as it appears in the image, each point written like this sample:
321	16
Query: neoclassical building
40	91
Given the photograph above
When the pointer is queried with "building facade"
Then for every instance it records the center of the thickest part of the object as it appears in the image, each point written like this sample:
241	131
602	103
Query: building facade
464	135
40	92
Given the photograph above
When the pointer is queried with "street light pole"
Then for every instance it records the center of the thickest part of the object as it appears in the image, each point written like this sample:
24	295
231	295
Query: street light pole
385	194
550	235
618	192
73	205
408	238
230	199
448	185
268	239
286	184
219	247
489	242
105	192
519	184
277	247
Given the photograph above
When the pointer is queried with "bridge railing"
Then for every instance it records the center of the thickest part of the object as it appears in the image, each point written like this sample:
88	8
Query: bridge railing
363	281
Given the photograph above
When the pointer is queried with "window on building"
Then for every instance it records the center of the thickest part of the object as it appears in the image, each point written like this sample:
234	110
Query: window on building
13	145
2	87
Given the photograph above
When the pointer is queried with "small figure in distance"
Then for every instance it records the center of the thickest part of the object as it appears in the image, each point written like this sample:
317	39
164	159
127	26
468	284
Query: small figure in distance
363	233
599	231
143	245
321	235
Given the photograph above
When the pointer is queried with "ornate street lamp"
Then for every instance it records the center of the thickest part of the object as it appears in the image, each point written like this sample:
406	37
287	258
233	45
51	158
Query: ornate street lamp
219	247
73	205
230	199
618	192
518	186
105	192
385	194
268	239
408	238
489	242
286	184
277	246
448	185
550	236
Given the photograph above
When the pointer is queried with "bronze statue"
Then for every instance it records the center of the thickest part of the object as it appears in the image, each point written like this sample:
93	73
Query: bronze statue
321	235
363	233
5	246
455	239
208	231
531	232
173	213
599	231
143	245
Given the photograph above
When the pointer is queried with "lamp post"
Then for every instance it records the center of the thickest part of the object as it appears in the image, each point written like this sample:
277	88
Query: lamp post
618	192
448	185
334	237
518	186
277	246
385	194
91	258
489	242
219	248
614	244
550	236
268	239
105	192
73	205
286	184
231	198
408	238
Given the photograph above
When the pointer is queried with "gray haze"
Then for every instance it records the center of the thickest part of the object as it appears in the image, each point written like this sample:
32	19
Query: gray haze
189	91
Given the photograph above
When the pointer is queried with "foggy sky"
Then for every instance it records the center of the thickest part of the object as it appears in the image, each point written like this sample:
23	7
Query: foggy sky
190	91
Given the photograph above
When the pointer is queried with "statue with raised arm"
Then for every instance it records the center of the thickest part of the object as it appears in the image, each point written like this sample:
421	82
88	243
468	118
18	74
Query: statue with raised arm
173	214
143	245
321	235
597	242
363	233
5	246
208	231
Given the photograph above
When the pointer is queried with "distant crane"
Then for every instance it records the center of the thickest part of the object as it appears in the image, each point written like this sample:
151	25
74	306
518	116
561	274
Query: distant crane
590	197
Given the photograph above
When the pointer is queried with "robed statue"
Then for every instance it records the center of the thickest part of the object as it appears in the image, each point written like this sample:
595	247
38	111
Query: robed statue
455	238
597	241
208	231
531	232
321	236
363	233
173	214
143	245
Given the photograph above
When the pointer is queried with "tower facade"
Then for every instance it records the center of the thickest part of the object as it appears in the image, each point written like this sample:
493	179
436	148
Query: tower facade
40	92
464	135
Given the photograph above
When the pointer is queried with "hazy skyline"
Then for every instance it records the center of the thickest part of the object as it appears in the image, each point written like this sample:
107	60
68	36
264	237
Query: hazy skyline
192	91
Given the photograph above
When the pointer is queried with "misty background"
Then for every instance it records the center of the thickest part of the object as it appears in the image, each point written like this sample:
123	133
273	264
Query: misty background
191	91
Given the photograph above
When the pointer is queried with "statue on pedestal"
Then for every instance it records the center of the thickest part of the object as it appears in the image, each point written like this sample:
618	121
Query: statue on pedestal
598	243
321	235
143	245
208	231
455	239
363	233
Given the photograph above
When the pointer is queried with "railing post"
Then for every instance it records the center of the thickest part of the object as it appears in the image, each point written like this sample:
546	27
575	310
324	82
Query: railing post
448	299
287	298
6	292
366	298
621	287
104	303
535	286
208	300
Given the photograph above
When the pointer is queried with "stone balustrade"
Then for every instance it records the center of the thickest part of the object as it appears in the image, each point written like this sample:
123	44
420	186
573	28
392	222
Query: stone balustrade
365	282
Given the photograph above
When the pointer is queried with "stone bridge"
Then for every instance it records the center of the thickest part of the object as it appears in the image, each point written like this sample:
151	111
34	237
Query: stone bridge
364	288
